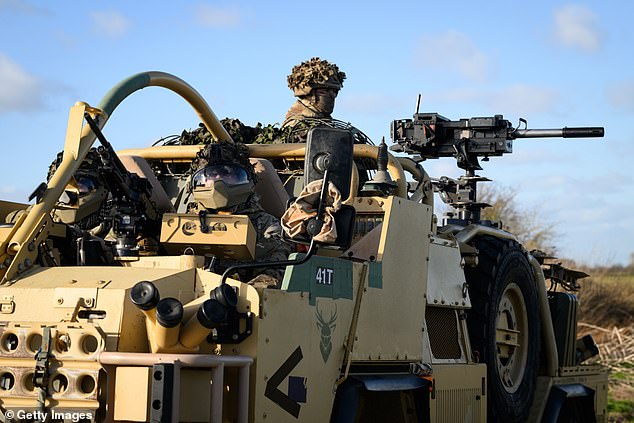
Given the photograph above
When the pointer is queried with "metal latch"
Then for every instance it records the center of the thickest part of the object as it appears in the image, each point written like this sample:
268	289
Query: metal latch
202	215
42	360
7	305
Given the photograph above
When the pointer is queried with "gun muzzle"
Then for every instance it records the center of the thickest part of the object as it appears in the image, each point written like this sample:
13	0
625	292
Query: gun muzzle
145	296
590	132
169	313
210	315
582	132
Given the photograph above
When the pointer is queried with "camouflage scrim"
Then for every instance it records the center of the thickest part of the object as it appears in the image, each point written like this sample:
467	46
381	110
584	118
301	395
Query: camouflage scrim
315	73
316	84
90	165
240	133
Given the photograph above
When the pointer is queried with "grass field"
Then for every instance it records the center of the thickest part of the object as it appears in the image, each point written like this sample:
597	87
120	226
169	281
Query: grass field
607	312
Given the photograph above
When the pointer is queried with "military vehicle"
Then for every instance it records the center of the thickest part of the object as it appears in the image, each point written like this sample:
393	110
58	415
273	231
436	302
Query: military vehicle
401	318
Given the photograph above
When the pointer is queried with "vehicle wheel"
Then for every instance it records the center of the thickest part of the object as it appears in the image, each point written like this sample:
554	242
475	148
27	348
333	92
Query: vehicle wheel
504	326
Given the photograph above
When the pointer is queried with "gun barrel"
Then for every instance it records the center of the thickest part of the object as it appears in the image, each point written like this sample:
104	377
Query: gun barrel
582	132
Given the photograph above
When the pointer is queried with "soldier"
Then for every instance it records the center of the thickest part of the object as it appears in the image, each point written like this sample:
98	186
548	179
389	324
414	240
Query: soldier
84	208
223	182
316	84
92	209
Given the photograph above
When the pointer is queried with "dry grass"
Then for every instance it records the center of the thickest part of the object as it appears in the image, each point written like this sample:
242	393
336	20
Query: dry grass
616	351
607	301
607	313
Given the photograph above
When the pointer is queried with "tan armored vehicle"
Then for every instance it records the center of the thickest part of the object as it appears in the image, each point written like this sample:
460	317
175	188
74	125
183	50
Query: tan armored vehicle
397	318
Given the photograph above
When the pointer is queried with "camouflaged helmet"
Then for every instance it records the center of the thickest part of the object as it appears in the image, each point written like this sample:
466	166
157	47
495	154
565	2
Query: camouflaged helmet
314	73
223	176
224	152
89	166
83	200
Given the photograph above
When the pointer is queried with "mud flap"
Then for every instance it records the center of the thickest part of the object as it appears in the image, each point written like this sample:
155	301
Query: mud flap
359	396
572	402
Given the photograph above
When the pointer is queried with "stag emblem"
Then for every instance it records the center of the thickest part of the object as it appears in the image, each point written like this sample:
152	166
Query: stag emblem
326	328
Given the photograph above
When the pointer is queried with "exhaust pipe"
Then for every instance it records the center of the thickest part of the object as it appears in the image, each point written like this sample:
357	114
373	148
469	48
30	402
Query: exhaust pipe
164	316
145	296
169	313
211	314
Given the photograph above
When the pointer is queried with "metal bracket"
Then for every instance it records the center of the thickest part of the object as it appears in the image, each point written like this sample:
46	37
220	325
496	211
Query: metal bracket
231	334
202	215
42	360
7	306
162	401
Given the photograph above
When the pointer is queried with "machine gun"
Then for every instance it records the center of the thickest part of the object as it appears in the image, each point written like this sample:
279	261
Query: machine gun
431	136
132	211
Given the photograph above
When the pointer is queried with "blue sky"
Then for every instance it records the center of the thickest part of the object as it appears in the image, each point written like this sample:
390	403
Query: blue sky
554	63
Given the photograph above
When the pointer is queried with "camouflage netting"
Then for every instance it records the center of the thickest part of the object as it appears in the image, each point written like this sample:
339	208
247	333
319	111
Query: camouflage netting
89	166
298	132
260	134
267	134
315	73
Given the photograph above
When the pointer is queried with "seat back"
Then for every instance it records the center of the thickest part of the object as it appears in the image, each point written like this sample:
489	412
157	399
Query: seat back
138	165
273	196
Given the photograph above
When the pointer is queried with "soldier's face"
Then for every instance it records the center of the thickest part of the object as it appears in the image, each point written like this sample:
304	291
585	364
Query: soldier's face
324	99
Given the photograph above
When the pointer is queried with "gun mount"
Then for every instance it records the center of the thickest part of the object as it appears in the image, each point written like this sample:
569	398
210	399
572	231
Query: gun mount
432	136
132	211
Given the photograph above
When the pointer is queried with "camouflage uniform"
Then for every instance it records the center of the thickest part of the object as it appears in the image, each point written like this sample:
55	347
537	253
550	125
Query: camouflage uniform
269	245
316	84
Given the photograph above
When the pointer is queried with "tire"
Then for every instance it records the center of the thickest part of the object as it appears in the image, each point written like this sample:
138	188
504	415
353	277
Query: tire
504	296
